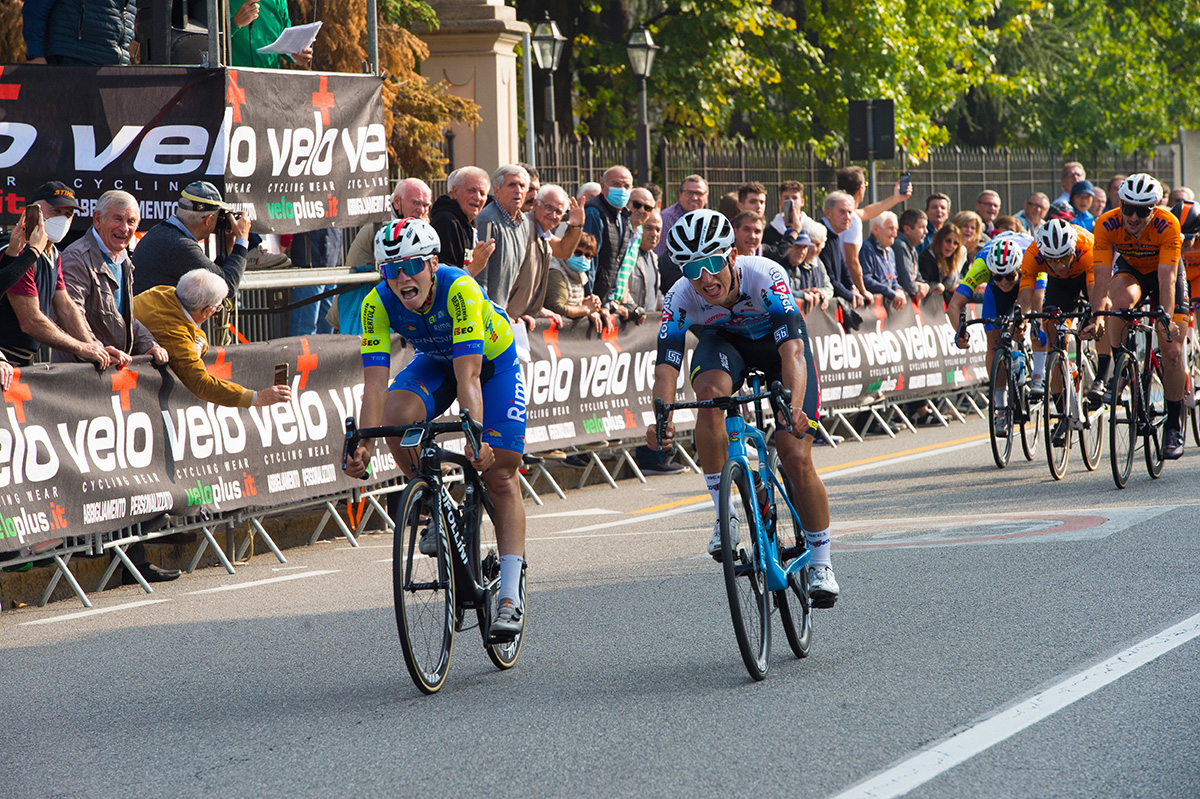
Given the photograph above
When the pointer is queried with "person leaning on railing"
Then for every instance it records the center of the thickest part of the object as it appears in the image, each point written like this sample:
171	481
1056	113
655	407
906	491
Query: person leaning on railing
174	316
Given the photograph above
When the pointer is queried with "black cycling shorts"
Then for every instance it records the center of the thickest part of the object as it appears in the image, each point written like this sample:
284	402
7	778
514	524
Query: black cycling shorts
1065	293
1149	283
736	355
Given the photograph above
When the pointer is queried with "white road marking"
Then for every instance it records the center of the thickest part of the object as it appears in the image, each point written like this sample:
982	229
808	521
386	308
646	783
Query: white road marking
958	748
627	521
580	512
95	612
256	583
866	467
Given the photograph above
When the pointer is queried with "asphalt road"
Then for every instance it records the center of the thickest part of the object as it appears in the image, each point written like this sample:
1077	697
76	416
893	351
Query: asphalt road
1000	634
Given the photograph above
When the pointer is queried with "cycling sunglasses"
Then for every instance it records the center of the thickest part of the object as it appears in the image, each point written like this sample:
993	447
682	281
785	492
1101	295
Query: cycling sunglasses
712	265
1140	211
410	266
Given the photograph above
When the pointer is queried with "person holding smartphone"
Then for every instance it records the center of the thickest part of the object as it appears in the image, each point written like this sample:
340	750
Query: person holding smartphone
172	248
35	310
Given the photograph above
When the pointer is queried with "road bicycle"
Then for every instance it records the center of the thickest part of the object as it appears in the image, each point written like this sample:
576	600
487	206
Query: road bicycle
1009	405
1192	359
1063	409
769	559
433	593
1139	406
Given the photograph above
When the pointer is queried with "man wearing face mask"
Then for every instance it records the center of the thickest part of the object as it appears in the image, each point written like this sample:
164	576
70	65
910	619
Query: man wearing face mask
172	248
26	308
608	220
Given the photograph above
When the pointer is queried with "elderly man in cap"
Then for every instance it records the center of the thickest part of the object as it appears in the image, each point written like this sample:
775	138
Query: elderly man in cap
172	248
26	308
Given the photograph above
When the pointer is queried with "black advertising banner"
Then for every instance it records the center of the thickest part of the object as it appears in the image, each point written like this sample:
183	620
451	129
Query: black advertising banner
901	354
86	452
296	150
146	130
307	152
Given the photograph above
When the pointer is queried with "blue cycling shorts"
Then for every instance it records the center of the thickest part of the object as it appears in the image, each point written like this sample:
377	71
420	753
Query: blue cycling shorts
503	395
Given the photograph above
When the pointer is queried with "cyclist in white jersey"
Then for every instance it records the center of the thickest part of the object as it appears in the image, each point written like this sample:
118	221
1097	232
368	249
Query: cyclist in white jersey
750	320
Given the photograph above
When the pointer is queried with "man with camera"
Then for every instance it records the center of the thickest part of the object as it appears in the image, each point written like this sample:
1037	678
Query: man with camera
173	248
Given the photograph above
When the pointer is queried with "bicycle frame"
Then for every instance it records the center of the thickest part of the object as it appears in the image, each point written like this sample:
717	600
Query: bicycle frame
739	433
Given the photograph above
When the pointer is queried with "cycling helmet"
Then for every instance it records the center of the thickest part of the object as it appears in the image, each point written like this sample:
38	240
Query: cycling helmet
1004	258
1188	213
1140	189
699	234
1060	209
1056	238
401	239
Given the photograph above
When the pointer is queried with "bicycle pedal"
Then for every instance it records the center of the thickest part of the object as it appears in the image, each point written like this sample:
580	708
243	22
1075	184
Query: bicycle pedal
822	602
501	638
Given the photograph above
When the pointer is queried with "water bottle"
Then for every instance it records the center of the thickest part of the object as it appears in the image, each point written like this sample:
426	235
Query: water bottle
764	502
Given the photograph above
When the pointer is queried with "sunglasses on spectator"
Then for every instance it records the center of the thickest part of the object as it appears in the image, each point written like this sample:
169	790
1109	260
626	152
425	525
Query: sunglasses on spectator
410	266
583	253
712	265
641	206
1140	211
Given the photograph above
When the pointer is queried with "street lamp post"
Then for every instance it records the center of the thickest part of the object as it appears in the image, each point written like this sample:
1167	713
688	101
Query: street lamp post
548	46
641	50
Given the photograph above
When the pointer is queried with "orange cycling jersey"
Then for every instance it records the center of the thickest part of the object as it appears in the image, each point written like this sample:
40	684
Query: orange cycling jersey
1191	261
1034	262
1160	242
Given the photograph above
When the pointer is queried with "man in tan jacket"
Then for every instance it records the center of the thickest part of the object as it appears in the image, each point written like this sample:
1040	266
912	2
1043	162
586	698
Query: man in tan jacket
173	315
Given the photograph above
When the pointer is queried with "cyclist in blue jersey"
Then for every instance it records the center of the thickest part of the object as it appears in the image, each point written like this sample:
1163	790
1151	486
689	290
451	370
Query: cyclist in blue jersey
750	320
465	351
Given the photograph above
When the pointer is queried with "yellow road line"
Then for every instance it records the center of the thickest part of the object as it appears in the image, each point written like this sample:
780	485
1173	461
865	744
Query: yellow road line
874	459
913	451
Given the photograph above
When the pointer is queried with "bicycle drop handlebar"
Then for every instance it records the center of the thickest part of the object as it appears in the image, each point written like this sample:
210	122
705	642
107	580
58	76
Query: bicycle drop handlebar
472	429
780	398
1133	314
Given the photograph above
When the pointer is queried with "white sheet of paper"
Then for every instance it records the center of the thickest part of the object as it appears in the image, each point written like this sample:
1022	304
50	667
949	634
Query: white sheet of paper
293	39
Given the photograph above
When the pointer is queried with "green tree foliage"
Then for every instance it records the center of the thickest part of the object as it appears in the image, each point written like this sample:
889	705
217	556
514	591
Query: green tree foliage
1071	74
1084	74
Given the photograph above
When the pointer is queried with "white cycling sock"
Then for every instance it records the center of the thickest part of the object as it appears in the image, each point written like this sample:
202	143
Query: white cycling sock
713	481
1039	363
819	544
510	577
1001	397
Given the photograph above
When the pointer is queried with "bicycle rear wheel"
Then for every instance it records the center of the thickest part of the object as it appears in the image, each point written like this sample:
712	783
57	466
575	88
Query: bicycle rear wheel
749	599
1156	414
1000	412
1031	429
503	655
423	588
1193	396
1122	421
1091	438
794	612
1057	410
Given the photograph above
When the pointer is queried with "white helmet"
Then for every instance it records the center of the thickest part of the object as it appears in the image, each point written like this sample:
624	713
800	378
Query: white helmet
699	234
1140	189
1004	257
401	239
1056	238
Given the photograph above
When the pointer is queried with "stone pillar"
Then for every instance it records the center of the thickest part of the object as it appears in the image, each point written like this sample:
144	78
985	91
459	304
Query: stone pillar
473	52
1188	172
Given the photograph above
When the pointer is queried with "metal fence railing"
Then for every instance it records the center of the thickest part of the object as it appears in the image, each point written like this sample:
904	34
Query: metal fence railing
959	173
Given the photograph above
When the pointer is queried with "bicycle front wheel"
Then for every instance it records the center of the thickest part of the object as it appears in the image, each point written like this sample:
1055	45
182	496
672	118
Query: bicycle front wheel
794	611
1001	400
1156	414
1122	420
423	588
1193	386
749	600
1057	410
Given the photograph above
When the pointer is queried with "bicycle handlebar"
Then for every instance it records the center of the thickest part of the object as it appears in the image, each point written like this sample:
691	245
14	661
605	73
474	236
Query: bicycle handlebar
470	428
780	398
1131	315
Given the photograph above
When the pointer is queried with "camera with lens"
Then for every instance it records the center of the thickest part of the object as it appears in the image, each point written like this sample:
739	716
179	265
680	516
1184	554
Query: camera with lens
225	220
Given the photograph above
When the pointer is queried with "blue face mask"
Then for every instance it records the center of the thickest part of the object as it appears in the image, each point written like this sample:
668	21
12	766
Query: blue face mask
579	264
617	196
